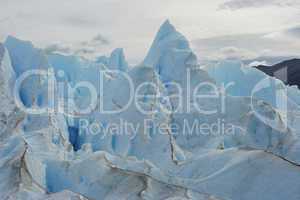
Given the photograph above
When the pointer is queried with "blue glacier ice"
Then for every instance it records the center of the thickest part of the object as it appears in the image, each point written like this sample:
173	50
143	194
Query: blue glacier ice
243	80
49	156
117	60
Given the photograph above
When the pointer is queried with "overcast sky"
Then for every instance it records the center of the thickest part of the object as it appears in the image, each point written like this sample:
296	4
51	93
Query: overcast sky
217	29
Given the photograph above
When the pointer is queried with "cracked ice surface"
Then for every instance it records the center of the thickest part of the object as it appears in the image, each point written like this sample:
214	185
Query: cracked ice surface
37	152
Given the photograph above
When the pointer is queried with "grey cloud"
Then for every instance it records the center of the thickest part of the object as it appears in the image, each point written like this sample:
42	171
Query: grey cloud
216	48
84	51
79	21
258	63
54	48
248	46
294	31
101	39
239	4
235	53
4	19
74	49
87	48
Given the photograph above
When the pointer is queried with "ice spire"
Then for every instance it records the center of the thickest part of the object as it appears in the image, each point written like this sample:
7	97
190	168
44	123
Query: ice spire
117	60
166	29
7	78
24	55
167	39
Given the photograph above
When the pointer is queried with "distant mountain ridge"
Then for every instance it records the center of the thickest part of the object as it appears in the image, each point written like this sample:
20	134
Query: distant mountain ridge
288	71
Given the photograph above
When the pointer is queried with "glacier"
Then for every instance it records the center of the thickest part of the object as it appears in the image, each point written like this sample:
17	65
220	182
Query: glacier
49	156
